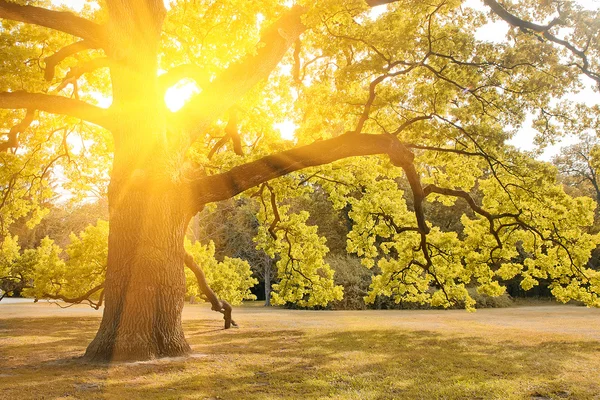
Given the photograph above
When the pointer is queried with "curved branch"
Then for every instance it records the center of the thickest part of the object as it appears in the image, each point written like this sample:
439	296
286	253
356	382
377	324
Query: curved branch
13	139
544	30
514	20
67	51
56	105
237	80
218	305
222	186
59	20
80	299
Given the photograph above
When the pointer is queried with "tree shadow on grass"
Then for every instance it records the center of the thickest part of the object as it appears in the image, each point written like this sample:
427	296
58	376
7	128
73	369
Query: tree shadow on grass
293	363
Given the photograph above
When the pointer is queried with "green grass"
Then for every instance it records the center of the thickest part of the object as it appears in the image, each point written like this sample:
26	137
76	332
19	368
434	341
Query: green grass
280	354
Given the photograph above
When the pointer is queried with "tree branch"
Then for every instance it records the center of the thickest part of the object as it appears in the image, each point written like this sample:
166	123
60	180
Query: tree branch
544	30
514	20
225	185
13	138
237	80
83	68
59	20
67	51
218	305
80	299
56	105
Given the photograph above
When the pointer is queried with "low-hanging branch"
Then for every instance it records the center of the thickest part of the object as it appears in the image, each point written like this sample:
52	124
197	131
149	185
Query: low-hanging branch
80	299
57	105
59	20
217	304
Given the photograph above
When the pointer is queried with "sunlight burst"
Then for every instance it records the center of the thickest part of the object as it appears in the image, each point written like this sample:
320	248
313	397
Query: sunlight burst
287	129
179	94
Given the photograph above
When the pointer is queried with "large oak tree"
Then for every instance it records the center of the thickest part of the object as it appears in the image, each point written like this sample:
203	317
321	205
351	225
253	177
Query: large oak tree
405	94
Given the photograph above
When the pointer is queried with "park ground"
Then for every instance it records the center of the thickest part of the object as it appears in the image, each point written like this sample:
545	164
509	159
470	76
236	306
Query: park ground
542	352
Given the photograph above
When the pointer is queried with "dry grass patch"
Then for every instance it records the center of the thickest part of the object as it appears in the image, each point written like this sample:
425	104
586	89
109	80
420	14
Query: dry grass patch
282	354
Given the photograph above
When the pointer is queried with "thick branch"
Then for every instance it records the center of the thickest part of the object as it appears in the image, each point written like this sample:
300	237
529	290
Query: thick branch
13	138
514	20
218	305
59	20
238	79
56	105
67	51
225	185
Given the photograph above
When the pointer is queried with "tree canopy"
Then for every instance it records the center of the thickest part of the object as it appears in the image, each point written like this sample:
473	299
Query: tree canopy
394	107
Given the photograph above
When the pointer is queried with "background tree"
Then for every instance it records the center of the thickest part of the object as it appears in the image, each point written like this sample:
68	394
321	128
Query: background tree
578	163
232	226
413	84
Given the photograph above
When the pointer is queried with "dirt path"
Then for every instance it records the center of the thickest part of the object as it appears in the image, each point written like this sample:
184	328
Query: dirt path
578	322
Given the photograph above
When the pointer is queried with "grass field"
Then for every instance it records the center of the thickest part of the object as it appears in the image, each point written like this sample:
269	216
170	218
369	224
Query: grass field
548	352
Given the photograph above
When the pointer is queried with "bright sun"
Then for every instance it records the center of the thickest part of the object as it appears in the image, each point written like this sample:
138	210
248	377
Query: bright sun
179	94
287	129
176	96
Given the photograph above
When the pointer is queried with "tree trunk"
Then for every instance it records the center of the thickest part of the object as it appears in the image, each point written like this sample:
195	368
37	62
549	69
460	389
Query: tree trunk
145	282
148	208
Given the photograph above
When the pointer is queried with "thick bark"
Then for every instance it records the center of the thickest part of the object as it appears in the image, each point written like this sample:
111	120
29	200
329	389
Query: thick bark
145	283
148	211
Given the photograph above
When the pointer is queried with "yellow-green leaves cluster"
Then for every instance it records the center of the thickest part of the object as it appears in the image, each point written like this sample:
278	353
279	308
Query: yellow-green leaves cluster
81	269
305	279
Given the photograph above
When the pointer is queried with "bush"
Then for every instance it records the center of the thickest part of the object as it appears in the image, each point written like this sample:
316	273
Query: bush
485	301
354	277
